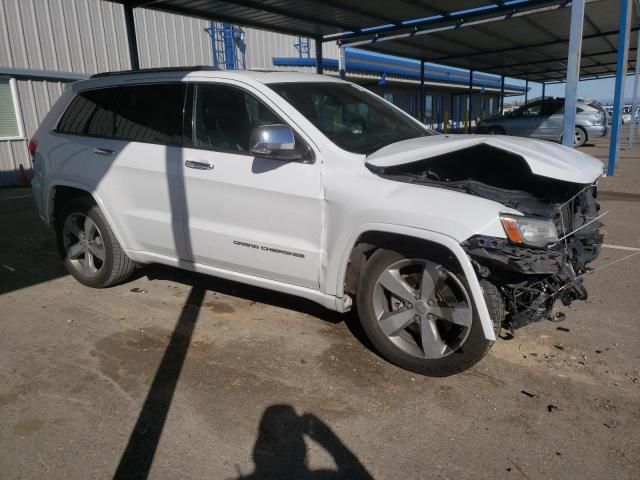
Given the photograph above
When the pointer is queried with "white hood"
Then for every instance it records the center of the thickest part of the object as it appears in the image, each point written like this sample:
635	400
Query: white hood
546	159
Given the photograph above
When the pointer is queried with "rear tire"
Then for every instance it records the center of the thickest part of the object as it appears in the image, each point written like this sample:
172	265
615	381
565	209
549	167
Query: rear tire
88	247
418	313
579	137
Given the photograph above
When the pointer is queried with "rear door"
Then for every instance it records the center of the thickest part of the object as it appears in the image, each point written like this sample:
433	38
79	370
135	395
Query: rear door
243	213
123	144
551	121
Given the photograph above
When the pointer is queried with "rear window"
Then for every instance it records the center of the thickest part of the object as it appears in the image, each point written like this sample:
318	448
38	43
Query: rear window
89	113
150	113
140	113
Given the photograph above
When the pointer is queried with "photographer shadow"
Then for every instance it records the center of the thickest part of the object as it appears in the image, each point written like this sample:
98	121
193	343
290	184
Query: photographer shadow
280	451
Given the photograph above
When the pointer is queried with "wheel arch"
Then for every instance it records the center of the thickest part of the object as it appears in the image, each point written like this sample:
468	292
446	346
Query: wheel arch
368	238
61	193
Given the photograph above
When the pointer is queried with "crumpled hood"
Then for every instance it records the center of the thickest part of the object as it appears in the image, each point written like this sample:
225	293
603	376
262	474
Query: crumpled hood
546	159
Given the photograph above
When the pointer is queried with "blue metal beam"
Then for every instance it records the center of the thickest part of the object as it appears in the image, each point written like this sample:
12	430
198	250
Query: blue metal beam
618	99
523	46
526	91
451	20
573	72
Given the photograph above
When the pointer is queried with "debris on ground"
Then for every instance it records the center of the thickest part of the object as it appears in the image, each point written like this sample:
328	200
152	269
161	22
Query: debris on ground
551	407
11	269
559	346
563	329
529	394
139	290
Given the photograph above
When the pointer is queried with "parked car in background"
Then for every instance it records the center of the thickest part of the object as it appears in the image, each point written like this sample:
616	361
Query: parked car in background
544	119
316	187
626	114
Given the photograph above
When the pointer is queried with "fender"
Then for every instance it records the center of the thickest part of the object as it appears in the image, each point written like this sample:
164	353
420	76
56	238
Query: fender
435	237
48	205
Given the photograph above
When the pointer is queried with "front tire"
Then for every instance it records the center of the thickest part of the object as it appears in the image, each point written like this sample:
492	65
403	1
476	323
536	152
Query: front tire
88	247
419	315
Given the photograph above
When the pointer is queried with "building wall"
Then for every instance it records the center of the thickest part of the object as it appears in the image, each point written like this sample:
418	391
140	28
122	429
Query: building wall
89	36
83	36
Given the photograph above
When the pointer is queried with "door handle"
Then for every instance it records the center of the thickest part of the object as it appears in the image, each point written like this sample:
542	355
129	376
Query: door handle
198	165
103	151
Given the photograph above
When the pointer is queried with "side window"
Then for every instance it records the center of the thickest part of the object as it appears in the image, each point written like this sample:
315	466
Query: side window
224	116
555	108
532	111
150	113
89	113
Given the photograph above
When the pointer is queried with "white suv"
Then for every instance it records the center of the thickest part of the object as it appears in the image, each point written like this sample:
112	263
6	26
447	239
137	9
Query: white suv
316	187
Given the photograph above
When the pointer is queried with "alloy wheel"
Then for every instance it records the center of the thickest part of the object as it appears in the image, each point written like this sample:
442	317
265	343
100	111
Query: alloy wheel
83	244
422	308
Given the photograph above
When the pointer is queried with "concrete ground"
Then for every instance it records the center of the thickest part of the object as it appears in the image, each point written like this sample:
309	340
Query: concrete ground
178	375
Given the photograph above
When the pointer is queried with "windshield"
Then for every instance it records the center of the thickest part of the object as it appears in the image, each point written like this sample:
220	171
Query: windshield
355	120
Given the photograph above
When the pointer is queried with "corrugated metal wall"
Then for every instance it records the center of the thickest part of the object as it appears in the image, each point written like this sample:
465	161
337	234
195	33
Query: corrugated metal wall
83	36
262	46
88	36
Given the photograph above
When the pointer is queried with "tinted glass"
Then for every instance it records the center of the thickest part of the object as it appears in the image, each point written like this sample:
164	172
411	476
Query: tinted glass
224	116
529	110
89	113
356	120
552	109
150	113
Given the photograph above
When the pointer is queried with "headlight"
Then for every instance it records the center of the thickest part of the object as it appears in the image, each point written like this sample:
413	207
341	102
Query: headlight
529	231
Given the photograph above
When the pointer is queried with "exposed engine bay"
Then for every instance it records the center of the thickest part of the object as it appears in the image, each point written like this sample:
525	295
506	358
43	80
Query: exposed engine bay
530	278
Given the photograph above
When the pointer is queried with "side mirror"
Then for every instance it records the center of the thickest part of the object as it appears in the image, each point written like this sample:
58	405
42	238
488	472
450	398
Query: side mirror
274	141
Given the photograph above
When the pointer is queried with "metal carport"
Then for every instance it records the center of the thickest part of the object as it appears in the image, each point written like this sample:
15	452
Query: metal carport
545	41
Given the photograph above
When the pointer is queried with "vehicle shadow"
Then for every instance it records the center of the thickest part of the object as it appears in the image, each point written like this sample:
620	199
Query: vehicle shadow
240	290
280	451
260	295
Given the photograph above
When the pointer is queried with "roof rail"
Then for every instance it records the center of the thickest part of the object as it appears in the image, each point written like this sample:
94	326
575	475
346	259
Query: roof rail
194	68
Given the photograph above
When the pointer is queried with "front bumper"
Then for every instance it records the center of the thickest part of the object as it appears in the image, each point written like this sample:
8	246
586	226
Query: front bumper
532	279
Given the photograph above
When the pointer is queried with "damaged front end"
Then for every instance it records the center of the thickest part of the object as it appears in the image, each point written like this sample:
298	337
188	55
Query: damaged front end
540	261
532	278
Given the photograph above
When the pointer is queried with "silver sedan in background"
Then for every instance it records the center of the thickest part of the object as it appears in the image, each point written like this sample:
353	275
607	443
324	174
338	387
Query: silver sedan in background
544	119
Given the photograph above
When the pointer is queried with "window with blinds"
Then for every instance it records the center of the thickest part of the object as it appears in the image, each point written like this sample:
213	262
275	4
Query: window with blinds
8	117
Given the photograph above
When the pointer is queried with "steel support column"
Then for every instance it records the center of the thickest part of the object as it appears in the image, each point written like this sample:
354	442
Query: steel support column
543	89
501	112
621	73
632	127
470	109
342	61
422	92
318	42
132	38
573	72
526	91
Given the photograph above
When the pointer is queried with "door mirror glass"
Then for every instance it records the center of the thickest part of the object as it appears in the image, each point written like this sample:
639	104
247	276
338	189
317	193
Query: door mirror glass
274	141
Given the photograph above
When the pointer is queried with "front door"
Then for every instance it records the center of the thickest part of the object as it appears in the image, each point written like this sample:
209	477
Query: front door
243	213
525	121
